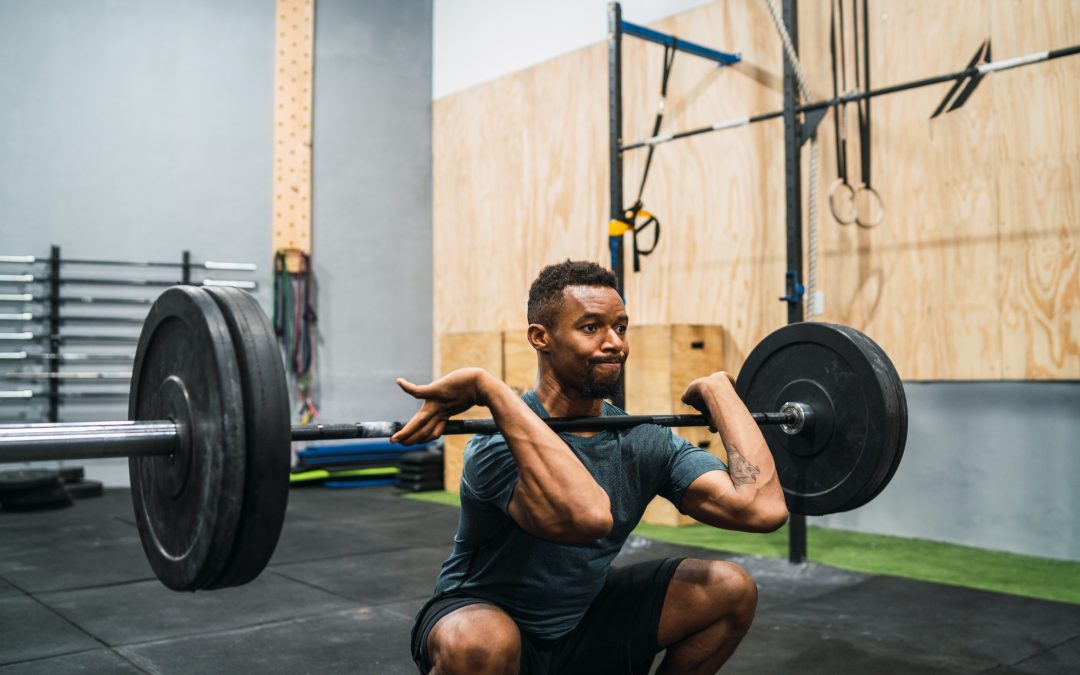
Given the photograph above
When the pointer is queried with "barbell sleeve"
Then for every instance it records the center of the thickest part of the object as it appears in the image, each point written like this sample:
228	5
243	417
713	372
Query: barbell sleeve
85	440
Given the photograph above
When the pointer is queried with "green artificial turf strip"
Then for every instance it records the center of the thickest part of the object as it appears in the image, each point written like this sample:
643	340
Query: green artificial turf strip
953	564
996	571
436	497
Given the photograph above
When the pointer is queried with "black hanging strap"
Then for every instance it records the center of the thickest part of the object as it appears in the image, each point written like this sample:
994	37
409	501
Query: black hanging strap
638	208
836	54
669	59
864	83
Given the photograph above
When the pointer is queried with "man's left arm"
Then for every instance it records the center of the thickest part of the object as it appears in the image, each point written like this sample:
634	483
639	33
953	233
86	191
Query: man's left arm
748	495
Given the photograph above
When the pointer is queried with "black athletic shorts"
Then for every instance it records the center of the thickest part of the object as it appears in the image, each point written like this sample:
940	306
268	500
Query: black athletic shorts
616	635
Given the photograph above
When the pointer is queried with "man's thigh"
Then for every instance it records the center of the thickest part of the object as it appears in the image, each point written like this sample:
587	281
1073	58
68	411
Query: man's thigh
619	632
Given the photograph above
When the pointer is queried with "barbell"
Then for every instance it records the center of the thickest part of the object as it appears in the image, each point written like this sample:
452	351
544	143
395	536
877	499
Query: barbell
208	436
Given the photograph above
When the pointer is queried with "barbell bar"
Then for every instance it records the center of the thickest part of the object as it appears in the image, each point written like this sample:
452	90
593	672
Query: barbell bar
208	435
103	440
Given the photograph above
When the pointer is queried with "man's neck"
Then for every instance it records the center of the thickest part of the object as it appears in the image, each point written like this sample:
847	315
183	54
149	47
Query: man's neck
559	401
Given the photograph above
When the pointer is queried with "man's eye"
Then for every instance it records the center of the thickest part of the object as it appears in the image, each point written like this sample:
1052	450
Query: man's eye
621	330
589	328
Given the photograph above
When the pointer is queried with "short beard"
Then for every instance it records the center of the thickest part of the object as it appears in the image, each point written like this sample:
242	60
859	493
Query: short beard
600	389
594	389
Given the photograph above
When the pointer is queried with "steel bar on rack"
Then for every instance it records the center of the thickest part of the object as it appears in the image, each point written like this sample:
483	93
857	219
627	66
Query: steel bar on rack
993	66
26	336
74	299
102	281
24	394
66	375
99	357
30	317
207	265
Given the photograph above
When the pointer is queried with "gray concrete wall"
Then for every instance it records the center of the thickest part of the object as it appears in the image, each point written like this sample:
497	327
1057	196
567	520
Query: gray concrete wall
372	204
989	464
134	129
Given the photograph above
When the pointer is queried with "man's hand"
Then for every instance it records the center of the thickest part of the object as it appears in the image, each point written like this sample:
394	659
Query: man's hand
719	383
445	397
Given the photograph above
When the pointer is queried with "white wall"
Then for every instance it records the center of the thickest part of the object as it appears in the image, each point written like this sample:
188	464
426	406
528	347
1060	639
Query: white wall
480	40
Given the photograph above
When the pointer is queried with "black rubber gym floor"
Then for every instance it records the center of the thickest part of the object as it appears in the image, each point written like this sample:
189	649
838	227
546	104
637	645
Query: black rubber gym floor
353	566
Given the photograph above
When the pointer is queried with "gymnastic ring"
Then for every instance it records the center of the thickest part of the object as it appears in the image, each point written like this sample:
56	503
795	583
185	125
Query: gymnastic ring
864	191
834	199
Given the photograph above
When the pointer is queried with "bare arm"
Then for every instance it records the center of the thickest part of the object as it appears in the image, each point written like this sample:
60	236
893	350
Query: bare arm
748	496
556	498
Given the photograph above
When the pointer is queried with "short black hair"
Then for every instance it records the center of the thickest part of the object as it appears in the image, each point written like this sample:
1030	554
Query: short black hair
546	293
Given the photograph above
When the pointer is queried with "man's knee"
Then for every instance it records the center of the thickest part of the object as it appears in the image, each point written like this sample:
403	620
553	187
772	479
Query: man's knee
475	639
732	593
734	589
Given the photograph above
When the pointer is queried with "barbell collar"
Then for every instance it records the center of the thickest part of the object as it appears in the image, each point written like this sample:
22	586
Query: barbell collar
801	417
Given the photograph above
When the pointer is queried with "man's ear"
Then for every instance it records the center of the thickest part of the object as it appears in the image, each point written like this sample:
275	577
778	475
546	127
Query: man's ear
539	337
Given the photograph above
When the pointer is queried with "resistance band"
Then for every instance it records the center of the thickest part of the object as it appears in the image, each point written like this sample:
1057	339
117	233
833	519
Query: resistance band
293	319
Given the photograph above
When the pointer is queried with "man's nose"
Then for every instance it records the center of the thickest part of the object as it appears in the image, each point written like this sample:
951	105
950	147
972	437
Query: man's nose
613	342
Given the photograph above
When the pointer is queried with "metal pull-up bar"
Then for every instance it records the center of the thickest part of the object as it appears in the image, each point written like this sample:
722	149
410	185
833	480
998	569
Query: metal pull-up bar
721	58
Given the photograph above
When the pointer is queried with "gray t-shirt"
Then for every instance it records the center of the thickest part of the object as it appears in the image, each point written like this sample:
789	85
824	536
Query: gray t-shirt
546	586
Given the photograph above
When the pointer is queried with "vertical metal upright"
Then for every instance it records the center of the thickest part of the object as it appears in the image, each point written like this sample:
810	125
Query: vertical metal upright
185	268
54	333
615	158
793	194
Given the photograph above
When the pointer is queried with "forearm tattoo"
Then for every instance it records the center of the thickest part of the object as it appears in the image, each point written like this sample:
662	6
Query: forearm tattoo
740	470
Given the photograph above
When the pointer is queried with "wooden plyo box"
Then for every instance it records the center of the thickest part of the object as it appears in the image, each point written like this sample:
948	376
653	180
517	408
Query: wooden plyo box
663	360
463	350
507	355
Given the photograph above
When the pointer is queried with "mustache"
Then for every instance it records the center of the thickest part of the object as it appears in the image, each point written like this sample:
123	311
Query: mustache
613	359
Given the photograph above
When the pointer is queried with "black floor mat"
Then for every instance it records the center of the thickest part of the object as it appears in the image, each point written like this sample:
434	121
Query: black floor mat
353	567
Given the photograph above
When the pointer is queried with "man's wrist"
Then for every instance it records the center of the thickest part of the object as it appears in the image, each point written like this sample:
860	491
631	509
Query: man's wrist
487	387
722	402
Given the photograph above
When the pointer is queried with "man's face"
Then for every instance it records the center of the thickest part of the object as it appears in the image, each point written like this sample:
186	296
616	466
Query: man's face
588	341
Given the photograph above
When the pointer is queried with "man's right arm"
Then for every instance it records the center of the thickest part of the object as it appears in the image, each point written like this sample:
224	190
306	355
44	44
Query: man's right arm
555	498
748	495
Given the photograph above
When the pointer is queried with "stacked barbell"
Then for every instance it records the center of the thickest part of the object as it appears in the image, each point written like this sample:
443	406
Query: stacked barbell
208	437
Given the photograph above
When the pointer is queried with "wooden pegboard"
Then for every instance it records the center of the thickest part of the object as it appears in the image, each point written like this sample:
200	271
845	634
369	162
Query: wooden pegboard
293	65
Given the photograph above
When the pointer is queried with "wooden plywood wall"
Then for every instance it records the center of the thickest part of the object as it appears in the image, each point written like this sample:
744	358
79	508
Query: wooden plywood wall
974	274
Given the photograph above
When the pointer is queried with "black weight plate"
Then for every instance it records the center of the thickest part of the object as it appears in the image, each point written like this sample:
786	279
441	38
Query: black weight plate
37	499
267	432
71	474
891	455
828	467
85	488
28	479
187	505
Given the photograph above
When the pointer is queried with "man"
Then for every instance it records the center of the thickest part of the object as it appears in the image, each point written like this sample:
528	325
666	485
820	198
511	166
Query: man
529	586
